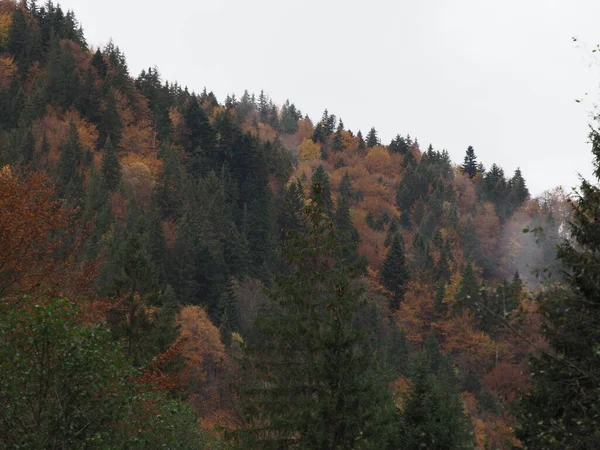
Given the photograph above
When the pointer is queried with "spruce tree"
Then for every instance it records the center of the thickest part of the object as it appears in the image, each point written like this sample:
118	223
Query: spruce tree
394	273
432	415
111	168
361	142
312	380
320	177
69	176
17	35
372	139
398	145
470	164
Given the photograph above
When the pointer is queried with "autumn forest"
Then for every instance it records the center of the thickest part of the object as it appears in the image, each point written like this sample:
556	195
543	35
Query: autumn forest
182	271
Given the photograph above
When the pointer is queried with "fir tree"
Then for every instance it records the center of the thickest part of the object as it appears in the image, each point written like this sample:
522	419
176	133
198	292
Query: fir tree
314	385
372	139
111	168
398	145
320	177
361	142
17	35
394	273
432	415
69	176
470	164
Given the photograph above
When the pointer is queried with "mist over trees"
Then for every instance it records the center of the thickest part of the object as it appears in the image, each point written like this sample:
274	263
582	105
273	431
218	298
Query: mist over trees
180	272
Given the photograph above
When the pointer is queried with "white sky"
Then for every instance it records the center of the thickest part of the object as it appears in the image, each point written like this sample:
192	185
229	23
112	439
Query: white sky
501	76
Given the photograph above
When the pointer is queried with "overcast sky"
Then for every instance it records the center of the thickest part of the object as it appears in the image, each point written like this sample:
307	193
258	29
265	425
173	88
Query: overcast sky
500	76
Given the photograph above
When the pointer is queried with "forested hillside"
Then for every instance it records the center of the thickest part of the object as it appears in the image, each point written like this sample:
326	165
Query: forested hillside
179	272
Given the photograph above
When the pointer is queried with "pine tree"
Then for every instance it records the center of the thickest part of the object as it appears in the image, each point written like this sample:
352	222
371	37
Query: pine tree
111	168
563	408
470	164
312	383
394	273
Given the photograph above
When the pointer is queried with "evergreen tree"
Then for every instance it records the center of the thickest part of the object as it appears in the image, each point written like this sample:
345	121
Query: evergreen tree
394	273
313	380
111	168
372	139
361	142
346	190
469	291
68	169
432	415
291	210
398	145
320	177
470	164
518	191
348	236
17	35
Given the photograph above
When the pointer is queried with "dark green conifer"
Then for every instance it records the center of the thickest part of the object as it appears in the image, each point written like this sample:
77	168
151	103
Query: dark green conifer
394	273
372	139
111	168
470	164
313	383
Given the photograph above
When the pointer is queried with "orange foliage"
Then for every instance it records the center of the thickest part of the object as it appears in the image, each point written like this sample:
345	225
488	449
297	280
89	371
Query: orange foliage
55	127
470	347
154	373
379	161
305	129
201	347
7	69
417	312
266	132
487	229
34	227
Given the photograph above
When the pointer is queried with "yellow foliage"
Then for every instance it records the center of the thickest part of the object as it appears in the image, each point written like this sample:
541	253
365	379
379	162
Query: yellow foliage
452	287
309	150
5	23
417	312
138	181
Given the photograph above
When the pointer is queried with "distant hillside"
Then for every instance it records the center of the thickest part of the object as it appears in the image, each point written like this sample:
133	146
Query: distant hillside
168	210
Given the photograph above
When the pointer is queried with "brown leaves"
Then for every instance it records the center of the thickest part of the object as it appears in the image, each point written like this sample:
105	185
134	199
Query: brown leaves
40	240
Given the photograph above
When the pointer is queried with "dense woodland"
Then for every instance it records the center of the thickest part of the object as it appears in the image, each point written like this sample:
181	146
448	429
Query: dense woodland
179	272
